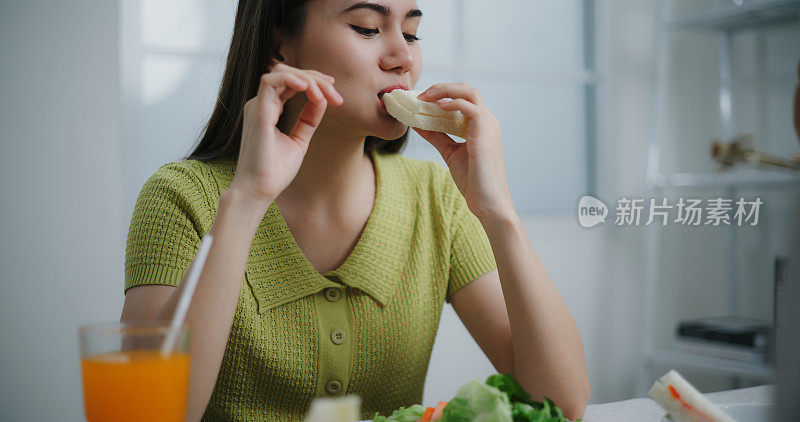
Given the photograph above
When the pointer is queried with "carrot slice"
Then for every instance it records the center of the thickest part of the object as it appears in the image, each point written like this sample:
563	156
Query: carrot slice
438	411
426	416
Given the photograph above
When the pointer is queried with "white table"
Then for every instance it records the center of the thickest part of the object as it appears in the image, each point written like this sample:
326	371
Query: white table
645	409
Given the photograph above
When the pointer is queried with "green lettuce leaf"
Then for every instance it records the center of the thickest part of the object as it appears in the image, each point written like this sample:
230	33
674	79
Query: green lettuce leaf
506	384
478	402
458	410
523	409
410	414
499	399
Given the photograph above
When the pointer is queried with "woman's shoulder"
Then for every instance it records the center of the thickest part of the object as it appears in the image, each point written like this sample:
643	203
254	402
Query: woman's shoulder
185	171
189	179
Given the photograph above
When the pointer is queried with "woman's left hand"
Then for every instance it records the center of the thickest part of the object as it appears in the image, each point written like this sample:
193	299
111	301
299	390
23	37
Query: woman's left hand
477	165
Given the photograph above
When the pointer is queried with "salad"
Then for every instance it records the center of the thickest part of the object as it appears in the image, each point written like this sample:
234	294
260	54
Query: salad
499	399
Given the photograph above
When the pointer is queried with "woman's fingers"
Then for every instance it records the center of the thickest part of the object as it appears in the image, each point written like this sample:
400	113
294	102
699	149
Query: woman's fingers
282	83
320	84
273	91
467	108
279	86
327	90
314	93
443	143
329	78
280	66
451	90
307	122
295	85
320	89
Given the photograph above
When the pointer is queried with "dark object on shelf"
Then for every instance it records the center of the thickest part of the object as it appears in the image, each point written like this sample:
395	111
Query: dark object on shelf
743	149
728	330
726	337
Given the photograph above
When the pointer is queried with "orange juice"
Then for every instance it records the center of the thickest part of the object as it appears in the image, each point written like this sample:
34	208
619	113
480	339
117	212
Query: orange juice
140	385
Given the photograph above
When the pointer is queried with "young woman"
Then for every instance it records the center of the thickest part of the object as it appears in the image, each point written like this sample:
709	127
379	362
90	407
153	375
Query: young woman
333	255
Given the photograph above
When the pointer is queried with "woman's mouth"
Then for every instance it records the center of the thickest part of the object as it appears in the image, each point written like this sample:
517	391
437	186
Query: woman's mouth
389	88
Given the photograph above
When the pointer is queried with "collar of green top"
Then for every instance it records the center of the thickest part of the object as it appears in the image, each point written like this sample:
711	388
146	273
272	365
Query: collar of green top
278	272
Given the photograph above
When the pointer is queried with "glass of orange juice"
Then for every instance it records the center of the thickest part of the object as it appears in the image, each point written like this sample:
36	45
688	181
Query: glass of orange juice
126	377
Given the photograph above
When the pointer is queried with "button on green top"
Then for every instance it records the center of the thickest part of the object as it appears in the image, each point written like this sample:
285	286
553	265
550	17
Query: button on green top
333	387
332	294
338	336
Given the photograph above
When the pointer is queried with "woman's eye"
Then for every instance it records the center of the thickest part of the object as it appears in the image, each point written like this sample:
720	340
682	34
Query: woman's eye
364	31
370	32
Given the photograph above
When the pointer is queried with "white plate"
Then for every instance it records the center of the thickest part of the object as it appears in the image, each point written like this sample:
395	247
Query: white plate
747	412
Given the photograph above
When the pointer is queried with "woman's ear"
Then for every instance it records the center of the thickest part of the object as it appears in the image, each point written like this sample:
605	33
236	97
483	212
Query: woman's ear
277	43
283	48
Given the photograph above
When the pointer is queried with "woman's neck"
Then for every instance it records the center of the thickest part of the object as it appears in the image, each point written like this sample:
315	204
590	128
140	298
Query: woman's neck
335	176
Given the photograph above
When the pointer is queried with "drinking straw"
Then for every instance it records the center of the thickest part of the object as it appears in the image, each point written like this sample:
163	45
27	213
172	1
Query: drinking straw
186	296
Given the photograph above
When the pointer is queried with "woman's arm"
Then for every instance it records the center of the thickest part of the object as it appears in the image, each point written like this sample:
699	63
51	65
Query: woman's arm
214	302
268	162
546	348
543	351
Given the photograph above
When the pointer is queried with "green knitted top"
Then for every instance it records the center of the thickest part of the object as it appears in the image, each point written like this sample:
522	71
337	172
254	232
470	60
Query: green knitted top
365	328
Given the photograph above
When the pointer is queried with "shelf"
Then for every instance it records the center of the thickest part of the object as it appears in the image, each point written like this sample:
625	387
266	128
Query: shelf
748	178
723	366
741	17
724	22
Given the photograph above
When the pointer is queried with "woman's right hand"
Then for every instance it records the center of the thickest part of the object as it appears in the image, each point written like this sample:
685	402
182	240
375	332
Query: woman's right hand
268	158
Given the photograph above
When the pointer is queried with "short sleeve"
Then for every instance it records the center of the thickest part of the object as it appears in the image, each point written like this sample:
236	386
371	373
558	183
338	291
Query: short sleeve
168	221
471	253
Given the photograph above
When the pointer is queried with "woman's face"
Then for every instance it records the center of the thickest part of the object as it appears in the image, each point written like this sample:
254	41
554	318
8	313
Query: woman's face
366	46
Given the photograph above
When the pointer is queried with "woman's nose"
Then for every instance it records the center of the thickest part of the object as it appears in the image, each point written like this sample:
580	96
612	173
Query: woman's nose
398	54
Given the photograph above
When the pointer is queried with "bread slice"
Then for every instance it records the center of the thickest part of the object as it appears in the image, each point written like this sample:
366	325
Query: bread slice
404	106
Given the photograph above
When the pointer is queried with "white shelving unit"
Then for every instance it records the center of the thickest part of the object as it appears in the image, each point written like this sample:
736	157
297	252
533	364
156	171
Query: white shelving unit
726	21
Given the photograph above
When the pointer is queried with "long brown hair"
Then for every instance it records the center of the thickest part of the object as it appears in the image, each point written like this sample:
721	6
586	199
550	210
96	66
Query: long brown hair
251	51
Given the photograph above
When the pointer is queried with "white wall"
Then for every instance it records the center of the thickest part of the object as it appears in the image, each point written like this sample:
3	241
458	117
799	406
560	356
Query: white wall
63	223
